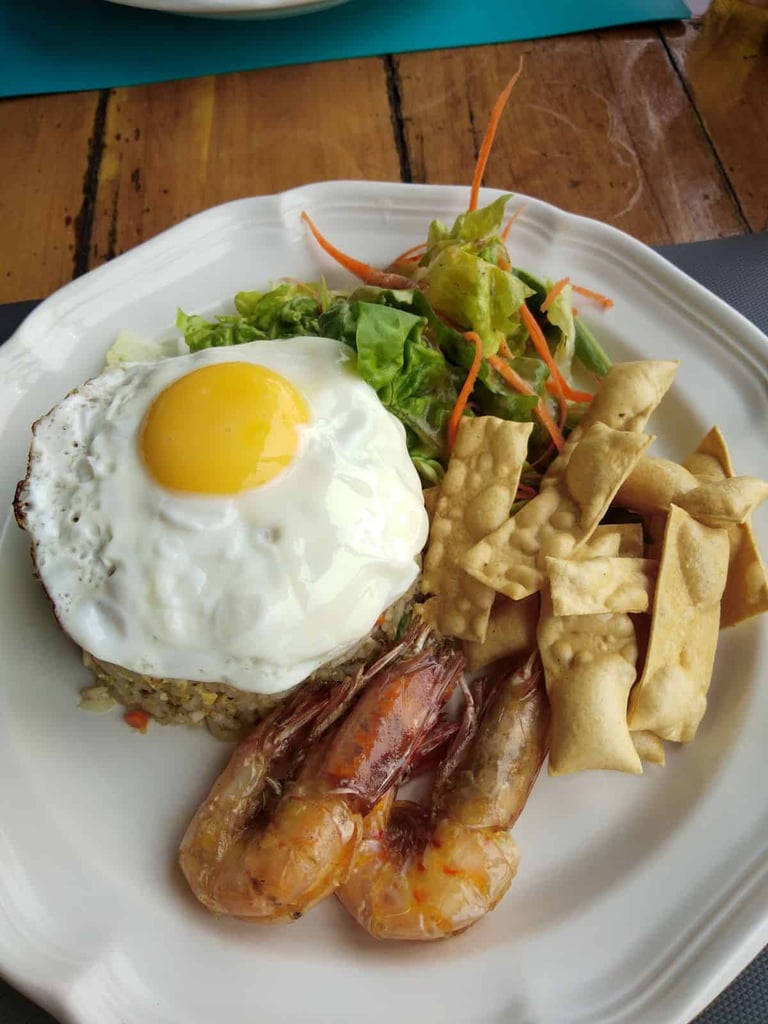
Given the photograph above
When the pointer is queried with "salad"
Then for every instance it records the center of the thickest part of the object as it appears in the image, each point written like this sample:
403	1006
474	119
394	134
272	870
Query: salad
417	339
450	328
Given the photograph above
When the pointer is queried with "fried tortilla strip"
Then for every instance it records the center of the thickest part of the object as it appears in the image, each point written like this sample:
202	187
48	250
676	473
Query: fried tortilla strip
653	485
746	589
476	495
570	504
724	502
671	697
590	665
597	586
512	625
511	631
649	746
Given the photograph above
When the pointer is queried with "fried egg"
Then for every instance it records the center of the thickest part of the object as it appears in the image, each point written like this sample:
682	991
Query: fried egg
239	515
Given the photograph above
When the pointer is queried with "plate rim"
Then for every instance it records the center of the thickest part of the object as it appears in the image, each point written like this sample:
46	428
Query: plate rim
225	8
283	203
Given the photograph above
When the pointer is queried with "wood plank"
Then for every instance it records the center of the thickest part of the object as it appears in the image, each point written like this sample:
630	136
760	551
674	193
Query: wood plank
599	124
176	148
44	201
723	60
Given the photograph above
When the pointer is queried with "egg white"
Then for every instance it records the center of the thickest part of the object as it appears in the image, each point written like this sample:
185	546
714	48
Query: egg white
256	589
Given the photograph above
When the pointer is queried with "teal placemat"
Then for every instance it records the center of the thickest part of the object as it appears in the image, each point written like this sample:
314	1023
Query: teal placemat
65	45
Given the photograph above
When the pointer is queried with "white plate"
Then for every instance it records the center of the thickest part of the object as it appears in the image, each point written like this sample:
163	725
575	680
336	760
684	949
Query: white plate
240	9
637	899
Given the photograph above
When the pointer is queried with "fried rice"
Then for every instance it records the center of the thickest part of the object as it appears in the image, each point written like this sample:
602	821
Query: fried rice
228	713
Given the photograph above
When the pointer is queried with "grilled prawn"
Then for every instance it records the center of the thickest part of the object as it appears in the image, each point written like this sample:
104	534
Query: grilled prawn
273	864
421	875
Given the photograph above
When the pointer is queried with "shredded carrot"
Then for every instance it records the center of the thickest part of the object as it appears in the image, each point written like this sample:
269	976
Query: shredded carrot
466	391
553	389
508	226
413	254
138	720
485	146
505	349
362	270
559	385
595	296
553	292
517	382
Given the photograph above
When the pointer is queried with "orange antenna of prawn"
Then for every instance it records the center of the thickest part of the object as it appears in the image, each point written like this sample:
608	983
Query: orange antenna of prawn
487	143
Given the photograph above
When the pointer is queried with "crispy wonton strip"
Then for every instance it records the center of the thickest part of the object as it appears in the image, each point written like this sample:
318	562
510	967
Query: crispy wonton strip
597	586
649	746
653	485
511	631
655	527
671	697
628	394
512	625
711	458
612	539
725	502
746	589
631	543
475	498
430	495
590	664
573	498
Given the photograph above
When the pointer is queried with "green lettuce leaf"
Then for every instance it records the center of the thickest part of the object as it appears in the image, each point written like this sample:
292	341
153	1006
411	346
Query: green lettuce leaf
491	394
287	311
586	348
560	315
410	376
200	333
474	294
481	223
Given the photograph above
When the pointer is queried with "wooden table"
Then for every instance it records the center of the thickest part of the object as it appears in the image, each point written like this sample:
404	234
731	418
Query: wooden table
661	131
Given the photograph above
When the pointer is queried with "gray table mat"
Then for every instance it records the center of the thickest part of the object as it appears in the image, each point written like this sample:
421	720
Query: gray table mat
736	269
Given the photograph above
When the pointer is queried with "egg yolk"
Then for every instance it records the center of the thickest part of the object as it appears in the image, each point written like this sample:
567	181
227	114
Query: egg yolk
222	429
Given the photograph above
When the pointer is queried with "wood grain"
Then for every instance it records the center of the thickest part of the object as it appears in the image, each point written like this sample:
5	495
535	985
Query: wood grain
599	124
47	146
662	132
724	59
176	148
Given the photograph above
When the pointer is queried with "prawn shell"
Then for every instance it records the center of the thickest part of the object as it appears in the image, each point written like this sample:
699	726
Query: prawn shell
375	743
461	874
492	785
